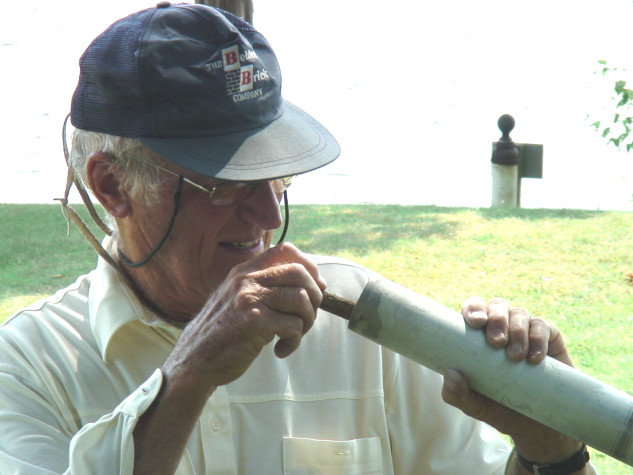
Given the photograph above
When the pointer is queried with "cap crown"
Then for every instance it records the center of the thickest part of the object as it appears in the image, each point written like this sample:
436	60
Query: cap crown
177	71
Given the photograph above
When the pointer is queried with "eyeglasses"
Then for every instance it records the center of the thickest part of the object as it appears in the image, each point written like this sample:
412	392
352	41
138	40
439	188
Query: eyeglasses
230	192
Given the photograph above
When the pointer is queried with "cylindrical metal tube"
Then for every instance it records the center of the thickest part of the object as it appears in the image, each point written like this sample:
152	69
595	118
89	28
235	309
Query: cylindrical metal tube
552	393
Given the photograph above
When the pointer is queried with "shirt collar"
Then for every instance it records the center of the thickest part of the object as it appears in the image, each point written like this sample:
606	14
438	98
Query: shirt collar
112	305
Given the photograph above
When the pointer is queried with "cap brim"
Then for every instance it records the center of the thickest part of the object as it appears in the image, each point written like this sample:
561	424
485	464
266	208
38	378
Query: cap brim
294	143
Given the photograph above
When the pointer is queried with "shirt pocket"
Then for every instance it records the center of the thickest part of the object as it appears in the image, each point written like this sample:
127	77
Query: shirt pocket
332	457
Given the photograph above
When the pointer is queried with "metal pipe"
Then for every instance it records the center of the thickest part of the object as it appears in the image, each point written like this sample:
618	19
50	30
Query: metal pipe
557	395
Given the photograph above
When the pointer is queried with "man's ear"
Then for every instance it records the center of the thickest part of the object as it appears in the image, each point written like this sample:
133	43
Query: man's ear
105	185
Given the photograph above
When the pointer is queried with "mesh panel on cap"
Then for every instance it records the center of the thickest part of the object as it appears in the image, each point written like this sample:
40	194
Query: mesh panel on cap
122	107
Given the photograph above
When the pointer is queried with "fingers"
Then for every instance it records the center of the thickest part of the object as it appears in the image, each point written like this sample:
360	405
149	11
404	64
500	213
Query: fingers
555	346
493	316
285	288
285	253
290	313
538	340
457	393
275	294
518	333
474	312
292	281
513	328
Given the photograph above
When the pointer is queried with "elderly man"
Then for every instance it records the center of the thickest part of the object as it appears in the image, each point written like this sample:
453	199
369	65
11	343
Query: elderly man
194	347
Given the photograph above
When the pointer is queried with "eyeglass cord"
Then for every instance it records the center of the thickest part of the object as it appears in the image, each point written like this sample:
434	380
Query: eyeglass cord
70	214
286	218
170	228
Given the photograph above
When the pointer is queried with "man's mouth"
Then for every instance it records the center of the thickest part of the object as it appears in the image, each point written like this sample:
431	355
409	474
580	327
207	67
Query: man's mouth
241	244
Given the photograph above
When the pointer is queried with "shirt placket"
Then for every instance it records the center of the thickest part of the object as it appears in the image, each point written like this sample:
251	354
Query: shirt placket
217	435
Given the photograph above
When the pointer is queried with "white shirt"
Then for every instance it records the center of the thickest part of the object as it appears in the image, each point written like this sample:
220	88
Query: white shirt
78	369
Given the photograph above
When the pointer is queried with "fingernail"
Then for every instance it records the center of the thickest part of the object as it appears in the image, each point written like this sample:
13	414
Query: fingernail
534	354
451	379
479	315
478	318
498	334
516	348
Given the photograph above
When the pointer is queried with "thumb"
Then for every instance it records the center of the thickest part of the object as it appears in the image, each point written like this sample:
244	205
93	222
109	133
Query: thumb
457	393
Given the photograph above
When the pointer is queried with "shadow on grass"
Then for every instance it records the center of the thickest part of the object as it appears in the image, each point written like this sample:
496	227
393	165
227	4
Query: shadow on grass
536	214
361	229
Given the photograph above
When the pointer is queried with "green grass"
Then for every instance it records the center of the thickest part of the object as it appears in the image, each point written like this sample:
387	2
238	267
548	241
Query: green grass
36	255
568	266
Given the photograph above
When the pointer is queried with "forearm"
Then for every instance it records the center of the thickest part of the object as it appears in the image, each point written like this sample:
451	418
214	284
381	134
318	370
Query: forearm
162	432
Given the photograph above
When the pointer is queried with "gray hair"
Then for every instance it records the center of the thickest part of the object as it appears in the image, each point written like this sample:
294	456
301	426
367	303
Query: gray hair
140	180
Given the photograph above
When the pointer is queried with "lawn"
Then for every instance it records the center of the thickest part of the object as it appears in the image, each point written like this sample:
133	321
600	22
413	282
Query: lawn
573	267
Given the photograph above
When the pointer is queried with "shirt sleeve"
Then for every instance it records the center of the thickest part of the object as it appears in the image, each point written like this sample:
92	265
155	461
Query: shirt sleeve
113	434
36	438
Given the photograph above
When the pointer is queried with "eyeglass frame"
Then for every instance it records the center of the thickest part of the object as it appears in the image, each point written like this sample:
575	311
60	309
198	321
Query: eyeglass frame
285	182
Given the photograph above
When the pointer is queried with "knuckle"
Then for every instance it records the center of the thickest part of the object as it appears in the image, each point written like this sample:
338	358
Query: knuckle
520	310
515	330
474	304
295	268
540	328
497	301
498	308
303	296
287	246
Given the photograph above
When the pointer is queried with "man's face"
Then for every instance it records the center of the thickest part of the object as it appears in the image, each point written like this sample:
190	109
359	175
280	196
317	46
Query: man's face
206	242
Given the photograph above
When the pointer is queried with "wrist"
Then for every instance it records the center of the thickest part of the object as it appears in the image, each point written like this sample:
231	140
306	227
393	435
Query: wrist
545	445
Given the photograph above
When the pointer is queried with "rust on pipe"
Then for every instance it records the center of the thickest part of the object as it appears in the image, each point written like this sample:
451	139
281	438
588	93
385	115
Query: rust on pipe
336	305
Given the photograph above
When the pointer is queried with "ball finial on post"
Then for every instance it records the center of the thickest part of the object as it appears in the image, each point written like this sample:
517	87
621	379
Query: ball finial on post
506	124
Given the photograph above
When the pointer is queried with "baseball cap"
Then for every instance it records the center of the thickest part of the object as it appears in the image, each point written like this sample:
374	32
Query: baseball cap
202	88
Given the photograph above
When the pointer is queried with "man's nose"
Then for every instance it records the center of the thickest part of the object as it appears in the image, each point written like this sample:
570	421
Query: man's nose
261	207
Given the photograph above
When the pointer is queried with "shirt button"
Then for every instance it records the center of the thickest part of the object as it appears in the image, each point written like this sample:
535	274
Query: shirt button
216	424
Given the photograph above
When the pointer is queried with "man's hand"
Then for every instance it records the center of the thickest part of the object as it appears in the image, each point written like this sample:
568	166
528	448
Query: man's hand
515	329
274	294
524	337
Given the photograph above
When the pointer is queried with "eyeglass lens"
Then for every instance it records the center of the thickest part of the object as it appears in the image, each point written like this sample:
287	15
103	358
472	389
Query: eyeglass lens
228	193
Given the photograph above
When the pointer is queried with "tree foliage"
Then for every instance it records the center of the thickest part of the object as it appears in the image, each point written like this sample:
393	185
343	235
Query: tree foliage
618	130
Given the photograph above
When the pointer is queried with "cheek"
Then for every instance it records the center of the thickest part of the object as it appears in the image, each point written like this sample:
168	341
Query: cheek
200	223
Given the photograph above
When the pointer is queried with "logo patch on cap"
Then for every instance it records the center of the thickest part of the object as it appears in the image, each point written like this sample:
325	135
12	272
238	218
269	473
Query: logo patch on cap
240	73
